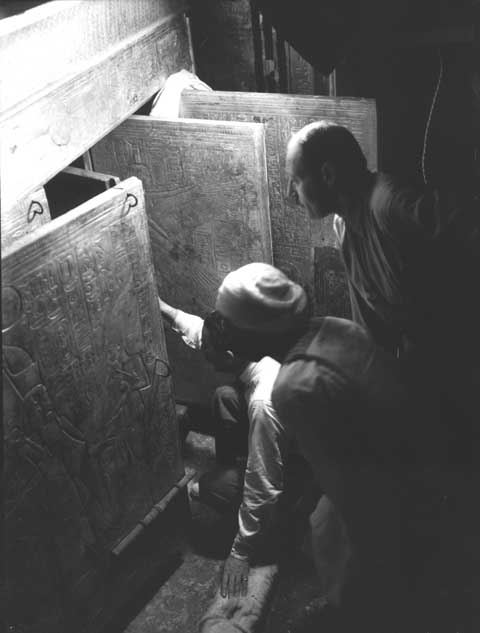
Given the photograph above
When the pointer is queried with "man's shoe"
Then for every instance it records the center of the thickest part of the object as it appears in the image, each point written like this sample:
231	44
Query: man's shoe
194	491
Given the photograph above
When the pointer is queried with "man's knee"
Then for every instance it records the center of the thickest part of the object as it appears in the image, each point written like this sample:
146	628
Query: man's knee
225	393
227	402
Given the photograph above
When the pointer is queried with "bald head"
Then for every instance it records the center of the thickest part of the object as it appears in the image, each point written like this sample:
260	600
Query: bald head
324	160
323	141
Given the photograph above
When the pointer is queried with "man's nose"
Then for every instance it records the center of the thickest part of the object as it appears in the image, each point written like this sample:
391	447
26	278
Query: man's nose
292	194
289	188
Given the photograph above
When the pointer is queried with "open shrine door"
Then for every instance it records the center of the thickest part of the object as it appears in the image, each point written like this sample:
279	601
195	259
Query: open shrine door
92	449
207	203
305	250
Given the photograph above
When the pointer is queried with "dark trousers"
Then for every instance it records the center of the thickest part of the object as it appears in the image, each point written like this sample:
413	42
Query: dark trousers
230	423
223	487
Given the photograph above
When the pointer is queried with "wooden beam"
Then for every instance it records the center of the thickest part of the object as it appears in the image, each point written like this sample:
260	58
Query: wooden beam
24	217
84	68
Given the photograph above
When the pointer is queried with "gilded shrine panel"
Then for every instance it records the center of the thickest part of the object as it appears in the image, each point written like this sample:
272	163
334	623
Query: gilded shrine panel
296	239
89	419
208	213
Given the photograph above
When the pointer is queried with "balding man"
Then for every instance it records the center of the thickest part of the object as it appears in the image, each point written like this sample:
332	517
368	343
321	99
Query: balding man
412	260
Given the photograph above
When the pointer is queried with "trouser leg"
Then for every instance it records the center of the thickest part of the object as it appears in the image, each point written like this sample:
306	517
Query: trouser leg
373	512
222	487
230	419
331	549
368	499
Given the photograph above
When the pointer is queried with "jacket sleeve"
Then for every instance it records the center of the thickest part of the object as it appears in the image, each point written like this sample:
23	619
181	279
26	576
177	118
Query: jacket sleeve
306	396
190	327
423	213
269	440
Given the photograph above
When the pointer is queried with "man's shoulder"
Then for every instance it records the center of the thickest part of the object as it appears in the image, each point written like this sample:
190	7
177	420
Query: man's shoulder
259	371
384	190
391	196
328	332
332	349
267	365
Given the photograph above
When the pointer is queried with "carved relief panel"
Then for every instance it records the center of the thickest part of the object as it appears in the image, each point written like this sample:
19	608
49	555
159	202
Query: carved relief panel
294	236
207	204
89	418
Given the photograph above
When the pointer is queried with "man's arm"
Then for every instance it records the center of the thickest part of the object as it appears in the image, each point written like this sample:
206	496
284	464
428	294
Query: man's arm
304	397
189	326
263	485
169	313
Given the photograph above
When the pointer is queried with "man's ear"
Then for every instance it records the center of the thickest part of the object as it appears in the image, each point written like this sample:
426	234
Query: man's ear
329	174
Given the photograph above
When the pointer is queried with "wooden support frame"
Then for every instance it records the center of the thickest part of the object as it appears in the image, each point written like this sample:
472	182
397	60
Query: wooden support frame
84	67
73	186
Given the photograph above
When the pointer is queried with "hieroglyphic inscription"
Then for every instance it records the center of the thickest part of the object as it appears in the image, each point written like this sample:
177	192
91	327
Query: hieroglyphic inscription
88	412
207	205
294	236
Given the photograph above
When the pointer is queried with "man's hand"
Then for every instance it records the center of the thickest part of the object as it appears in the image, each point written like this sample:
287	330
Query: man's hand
234	581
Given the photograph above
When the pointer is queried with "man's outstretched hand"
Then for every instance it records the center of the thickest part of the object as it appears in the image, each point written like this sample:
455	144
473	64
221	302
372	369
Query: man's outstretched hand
234	581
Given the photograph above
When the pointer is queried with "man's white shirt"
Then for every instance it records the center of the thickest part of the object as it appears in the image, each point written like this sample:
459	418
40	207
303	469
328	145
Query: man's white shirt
268	444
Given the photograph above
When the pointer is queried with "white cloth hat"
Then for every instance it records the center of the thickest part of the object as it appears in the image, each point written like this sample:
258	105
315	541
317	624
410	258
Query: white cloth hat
261	298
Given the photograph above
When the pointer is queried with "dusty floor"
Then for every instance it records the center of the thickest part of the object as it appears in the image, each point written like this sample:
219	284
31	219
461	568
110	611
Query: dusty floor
176	600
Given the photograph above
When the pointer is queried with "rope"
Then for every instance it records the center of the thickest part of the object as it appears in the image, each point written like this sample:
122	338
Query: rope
429	120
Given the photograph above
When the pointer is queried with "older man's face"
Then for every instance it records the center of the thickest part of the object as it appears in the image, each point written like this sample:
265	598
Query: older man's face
306	189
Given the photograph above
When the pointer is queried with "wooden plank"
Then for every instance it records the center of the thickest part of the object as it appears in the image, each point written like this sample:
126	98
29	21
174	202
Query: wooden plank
85	67
105	180
55	40
74	186
25	217
294	235
207	203
89	418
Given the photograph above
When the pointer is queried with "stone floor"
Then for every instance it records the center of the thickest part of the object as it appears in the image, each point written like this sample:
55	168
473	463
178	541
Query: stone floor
175	604
176	601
